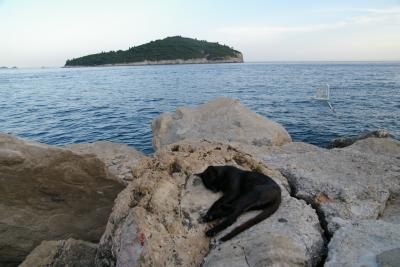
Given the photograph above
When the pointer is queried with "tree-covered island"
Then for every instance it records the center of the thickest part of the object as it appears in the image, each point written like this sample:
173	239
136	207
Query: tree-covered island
171	50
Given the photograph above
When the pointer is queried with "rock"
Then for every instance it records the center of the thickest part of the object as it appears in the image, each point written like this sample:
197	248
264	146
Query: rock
294	227
365	243
62	253
222	119
119	158
49	193
389	258
343	184
155	220
347	141
392	210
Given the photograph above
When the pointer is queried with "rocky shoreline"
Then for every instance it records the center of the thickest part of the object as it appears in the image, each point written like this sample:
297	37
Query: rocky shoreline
340	207
238	59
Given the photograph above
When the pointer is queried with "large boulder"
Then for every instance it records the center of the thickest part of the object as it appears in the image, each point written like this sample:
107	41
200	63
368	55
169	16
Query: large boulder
155	220
119	158
365	243
222	119
62	253
345	184
49	193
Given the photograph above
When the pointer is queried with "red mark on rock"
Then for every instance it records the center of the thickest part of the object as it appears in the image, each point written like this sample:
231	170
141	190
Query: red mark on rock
142	237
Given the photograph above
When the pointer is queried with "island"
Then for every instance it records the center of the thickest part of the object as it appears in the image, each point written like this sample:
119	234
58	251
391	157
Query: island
171	50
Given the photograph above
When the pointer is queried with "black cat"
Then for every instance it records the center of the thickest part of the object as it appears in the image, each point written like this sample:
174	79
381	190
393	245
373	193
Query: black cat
243	191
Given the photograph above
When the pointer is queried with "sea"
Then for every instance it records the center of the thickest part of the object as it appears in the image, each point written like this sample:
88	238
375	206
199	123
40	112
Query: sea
78	105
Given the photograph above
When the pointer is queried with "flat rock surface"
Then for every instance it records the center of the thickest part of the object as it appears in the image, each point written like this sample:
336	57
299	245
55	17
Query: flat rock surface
49	193
62	253
119	158
222	119
155	220
355	182
366	243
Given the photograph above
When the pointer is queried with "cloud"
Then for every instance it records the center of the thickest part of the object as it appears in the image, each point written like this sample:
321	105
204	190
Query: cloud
274	33
267	32
276	30
369	34
388	10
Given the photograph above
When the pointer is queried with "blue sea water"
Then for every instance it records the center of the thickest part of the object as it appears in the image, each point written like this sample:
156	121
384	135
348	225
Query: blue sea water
62	106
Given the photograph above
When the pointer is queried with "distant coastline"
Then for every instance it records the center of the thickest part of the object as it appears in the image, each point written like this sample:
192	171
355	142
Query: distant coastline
238	59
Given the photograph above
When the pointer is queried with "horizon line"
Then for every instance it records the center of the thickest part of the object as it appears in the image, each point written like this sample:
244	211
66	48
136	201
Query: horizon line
250	61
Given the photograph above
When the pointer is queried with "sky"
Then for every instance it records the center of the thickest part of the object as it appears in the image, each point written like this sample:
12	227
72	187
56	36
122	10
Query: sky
35	33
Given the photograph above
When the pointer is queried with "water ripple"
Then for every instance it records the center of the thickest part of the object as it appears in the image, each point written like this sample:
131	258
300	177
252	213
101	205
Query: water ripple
61	106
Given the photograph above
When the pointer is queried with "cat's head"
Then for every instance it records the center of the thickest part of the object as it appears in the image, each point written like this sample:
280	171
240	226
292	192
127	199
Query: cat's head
209	178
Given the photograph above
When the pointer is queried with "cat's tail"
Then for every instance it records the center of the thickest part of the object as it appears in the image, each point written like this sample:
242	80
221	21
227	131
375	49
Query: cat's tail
260	217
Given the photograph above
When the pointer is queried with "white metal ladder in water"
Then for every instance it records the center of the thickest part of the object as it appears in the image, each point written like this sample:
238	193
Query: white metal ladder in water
323	94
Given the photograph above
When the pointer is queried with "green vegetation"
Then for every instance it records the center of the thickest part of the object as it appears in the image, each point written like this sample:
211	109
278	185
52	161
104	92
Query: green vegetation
170	48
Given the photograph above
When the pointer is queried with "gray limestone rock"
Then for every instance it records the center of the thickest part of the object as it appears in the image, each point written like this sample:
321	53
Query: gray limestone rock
347	141
222	119
355	182
366	243
389	258
155	220
49	193
392	210
290	237
119	158
62	253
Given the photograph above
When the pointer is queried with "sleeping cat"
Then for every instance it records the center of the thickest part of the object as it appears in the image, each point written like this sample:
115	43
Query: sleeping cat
242	191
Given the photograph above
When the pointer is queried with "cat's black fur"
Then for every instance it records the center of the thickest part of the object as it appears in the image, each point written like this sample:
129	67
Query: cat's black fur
243	191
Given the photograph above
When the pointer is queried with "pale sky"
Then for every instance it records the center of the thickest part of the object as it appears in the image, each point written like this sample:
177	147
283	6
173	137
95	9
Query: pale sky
36	33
